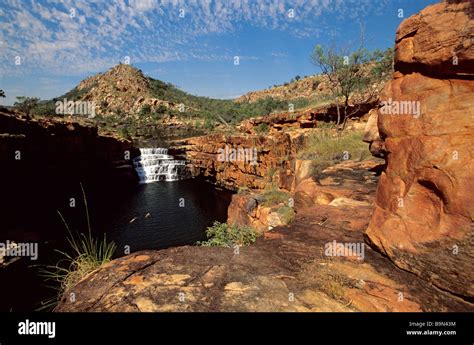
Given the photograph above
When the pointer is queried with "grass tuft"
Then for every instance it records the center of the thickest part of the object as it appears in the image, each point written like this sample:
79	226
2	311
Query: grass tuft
274	196
87	254
287	214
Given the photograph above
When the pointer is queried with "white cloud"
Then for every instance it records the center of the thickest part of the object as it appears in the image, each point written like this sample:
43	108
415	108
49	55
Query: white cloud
279	54
49	38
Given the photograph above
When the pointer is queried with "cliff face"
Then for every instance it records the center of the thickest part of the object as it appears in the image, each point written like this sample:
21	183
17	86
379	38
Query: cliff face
48	148
122	88
233	161
271	153
423	219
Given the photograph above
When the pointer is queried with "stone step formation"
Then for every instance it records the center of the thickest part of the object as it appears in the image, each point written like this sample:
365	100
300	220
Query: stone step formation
155	164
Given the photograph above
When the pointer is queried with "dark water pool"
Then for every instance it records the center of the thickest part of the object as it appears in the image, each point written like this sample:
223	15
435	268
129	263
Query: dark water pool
149	216
163	214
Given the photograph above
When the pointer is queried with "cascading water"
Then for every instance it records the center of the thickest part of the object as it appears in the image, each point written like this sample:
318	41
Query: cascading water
155	164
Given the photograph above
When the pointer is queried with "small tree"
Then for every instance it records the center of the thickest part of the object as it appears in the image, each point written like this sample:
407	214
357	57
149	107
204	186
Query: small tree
26	104
344	72
161	109
145	110
297	78
2	94
383	64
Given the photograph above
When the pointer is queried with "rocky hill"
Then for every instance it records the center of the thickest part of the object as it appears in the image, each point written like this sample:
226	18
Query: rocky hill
317	87
132	104
307	87
124	98
121	89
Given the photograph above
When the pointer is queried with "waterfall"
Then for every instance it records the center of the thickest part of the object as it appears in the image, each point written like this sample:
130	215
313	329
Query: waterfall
155	164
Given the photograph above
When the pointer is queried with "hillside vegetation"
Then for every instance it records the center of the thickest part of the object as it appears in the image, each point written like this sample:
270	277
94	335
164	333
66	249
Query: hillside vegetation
131	104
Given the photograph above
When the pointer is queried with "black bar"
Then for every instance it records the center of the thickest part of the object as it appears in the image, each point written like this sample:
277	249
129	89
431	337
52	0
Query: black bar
241	328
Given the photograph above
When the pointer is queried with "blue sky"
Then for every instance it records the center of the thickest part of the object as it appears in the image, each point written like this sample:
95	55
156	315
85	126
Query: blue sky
190	43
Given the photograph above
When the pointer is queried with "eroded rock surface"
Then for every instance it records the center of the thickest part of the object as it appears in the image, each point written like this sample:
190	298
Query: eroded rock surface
424	208
233	161
250	209
288	269
422	219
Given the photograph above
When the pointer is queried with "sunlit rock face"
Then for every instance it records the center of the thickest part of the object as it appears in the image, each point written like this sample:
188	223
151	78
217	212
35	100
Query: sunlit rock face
423	219
233	161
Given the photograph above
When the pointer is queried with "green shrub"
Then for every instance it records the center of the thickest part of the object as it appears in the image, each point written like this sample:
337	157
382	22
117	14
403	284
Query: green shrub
26	104
224	235
271	174
262	129
286	213
326	125
145	110
161	109
299	103
125	133
44	109
383	67
274	196
243	190
208	124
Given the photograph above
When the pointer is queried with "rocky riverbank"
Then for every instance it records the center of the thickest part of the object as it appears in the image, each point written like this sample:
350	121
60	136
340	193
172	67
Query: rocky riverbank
288	269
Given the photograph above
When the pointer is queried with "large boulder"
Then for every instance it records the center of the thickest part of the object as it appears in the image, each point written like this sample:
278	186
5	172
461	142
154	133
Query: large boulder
423	219
250	209
438	40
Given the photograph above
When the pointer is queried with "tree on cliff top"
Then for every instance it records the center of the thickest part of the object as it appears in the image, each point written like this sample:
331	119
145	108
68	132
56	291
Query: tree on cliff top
345	73
383	59
26	104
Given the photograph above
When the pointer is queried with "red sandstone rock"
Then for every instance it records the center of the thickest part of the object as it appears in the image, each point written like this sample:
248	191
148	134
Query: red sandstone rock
247	209
241	208
289	259
270	151
372	134
434	38
424	212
